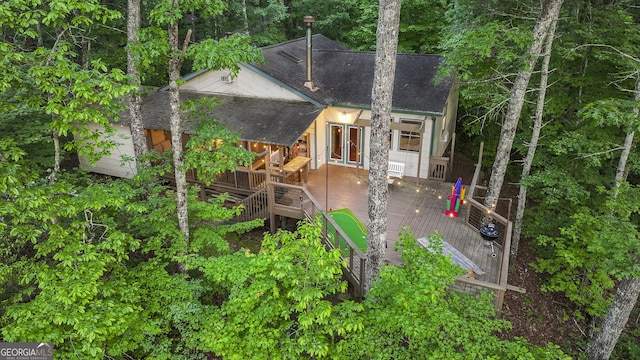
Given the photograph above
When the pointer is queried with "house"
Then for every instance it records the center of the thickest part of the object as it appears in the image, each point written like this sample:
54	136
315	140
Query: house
311	99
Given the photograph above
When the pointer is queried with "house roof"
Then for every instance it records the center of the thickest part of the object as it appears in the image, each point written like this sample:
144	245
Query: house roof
345	77
269	121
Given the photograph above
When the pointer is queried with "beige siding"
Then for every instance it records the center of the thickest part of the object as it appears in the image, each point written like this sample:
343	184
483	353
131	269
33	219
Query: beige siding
246	83
446	126
114	164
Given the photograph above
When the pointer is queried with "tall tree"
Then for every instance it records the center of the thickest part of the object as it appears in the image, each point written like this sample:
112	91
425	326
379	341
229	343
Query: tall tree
533	142
176	57
603	343
41	60
549	13
381	102
133	63
225	53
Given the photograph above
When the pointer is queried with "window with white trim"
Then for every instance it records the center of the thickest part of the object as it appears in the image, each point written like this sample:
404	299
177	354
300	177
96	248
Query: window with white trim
409	140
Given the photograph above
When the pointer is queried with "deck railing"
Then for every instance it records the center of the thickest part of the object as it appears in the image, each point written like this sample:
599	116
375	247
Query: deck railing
438	168
477	216
296	202
255	206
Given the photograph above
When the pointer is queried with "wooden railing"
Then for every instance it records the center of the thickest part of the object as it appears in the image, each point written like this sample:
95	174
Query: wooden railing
296	202
477	216
255	206
438	168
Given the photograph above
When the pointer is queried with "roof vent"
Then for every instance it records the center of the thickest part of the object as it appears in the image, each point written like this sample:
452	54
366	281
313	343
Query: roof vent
227	79
290	56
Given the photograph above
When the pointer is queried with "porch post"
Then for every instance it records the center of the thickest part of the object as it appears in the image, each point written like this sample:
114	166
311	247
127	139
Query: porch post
283	175
271	198
420	152
357	150
453	149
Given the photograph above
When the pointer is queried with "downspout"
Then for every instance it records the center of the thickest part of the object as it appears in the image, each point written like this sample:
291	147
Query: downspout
308	21
433	135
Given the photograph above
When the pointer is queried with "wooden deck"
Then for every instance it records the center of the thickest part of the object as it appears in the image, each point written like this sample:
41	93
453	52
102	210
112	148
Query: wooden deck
417	206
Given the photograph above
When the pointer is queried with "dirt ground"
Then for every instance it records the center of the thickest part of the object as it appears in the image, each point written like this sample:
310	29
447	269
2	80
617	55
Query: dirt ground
537	316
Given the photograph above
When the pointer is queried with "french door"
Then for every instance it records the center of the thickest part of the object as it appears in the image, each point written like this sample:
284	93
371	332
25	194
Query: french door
345	144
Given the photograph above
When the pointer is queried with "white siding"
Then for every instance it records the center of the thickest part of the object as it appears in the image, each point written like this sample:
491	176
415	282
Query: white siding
246	83
410	159
115	164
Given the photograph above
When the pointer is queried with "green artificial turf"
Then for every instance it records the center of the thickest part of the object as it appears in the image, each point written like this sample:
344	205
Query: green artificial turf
351	226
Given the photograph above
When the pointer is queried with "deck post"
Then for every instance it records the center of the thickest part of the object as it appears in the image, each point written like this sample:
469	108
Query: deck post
453	150
420	154
504	271
271	198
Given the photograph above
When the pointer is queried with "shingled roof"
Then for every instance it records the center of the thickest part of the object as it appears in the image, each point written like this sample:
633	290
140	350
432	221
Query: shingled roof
346	77
269	121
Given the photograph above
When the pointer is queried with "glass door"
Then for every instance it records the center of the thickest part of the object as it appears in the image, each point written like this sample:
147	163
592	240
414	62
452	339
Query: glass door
355	144
345	144
336	142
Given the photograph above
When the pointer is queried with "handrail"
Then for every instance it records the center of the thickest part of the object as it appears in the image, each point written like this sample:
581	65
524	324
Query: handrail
310	197
438	168
254	206
476	217
356	259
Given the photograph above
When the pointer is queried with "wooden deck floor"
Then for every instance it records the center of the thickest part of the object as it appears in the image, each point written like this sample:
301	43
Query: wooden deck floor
421	211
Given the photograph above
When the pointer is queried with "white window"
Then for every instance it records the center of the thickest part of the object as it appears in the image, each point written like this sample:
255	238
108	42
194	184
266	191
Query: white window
410	140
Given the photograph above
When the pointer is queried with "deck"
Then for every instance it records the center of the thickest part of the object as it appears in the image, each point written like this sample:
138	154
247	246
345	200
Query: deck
417	206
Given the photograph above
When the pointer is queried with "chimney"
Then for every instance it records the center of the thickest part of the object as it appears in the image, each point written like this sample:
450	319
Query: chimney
308	21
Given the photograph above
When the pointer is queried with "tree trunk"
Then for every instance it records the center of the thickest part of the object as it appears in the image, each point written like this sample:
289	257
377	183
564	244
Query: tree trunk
601	346
533	144
175	63
628	141
56	157
245	19
135	99
548	14
381	102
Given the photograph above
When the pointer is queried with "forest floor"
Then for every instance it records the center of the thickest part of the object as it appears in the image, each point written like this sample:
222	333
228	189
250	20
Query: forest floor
537	316
540	317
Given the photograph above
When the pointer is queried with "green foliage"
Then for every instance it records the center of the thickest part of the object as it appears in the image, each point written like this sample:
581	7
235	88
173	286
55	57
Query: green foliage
212	147
411	313
224	53
47	78
91	266
167	11
596	247
276	304
484	46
